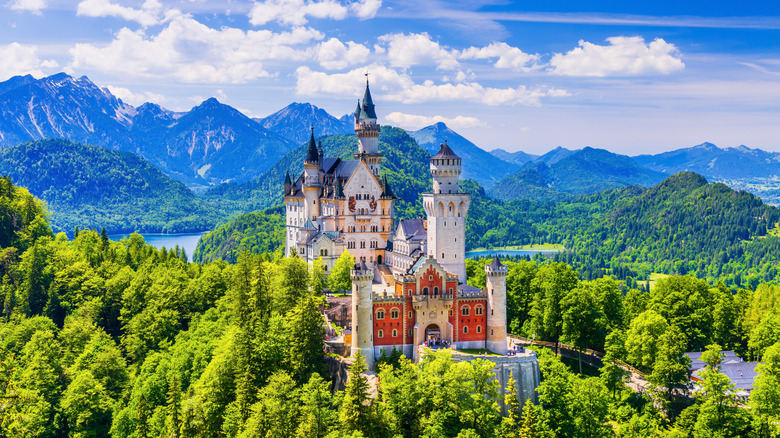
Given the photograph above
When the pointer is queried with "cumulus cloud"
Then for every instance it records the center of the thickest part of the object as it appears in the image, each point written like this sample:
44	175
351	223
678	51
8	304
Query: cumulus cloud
295	12
34	6
624	56
506	56
135	99
333	54
192	52
406	50
412	121
21	59
400	87
150	13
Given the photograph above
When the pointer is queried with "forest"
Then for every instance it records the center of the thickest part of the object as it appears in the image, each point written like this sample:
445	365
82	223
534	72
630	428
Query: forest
117	338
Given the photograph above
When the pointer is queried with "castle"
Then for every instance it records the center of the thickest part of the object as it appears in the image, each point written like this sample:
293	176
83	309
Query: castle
409	282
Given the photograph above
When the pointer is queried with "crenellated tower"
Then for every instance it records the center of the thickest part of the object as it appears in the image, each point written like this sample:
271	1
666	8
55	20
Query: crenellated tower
362	312
367	130
446	210
495	286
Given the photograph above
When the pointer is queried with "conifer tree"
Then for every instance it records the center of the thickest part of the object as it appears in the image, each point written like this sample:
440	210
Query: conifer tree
511	421
354	415
173	405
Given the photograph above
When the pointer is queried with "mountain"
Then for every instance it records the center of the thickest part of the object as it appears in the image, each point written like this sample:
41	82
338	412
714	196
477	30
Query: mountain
555	155
518	157
60	106
714	162
211	144
293	121
94	187
585	171
478	164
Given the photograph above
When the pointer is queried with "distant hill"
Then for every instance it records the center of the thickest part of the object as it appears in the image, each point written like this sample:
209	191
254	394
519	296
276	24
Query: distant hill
585	171
518	157
211	144
478	164
714	162
555	155
293	121
94	187
256	232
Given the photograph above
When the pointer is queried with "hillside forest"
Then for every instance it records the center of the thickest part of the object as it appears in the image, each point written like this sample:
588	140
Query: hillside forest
117	338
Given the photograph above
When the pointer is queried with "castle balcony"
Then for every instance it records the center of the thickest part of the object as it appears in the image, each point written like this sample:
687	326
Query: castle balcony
362	217
444	300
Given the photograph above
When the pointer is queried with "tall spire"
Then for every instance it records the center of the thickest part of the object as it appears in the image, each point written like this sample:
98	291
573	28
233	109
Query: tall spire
367	110
312	154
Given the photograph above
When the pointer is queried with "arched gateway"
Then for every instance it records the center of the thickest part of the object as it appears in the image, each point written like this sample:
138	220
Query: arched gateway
433	333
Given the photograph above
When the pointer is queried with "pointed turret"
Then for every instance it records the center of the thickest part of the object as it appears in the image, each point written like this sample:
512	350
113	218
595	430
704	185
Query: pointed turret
339	189
312	155
367	110
287	183
387	192
357	110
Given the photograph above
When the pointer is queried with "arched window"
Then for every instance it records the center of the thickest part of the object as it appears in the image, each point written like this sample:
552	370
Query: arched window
436	291
479	329
394	314
478	310
464	311
380	314
465	329
395	332
380	333
425	291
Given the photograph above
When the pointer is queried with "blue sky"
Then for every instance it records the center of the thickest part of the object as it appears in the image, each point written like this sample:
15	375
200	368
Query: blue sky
631	77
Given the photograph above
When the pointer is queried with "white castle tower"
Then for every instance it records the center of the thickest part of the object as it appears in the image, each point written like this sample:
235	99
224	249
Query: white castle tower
446	209
495	285
367	130
362	312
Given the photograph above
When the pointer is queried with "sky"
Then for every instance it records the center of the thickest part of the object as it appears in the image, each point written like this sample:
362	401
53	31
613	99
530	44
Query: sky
630	77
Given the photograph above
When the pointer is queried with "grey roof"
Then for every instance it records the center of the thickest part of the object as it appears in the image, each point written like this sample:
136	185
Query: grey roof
361	266
697	363
357	110
445	153
495	264
312	154
309	225
413	227
287	180
741	374
463	287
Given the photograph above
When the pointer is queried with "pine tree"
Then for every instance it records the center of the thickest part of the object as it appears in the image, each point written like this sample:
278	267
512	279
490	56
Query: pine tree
354	412
511	422
173	405
533	423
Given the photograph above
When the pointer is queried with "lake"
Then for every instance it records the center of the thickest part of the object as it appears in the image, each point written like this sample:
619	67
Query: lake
187	241
509	253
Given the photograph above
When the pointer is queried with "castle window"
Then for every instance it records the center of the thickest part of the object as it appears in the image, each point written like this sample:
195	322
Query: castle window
410	315
479	329
394	314
395	332
450	290
450	312
425	291
491	332
465	329
478	310
380	314
491	312
380	333
436	291
464	311
410	332
442	256
325	268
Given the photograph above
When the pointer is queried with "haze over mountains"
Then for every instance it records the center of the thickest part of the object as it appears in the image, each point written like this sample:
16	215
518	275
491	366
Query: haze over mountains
214	144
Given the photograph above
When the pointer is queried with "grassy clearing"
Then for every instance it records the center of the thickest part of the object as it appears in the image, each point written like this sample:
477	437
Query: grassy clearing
478	351
652	279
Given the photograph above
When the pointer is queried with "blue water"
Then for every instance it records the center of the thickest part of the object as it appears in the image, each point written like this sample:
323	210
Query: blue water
509	253
187	241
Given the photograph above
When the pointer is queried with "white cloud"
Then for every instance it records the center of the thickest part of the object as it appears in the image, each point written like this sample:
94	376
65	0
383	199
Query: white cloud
150	13
192	52
21	59
34	6
406	50
136	99
624	56
333	54
365	9
295	12
412	121
507	56
400	87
